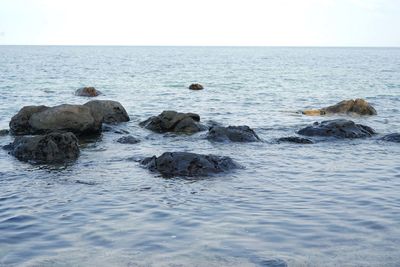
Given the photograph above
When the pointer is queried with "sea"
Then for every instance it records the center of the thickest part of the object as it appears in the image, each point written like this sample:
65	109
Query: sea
331	203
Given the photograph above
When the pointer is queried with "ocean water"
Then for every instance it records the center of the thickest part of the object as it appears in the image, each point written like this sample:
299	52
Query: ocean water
333	203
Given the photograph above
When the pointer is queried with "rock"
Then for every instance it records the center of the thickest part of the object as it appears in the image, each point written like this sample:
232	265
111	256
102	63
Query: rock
50	148
172	121
358	106
70	118
4	132
232	133
129	139
196	86
87	91
339	128
394	137
295	139
19	123
107	111
171	164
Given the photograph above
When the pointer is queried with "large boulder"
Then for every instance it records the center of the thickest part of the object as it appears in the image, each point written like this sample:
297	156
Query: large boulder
70	118
171	164
19	123
394	137
294	139
87	91
172	121
196	86
358	106
54	147
232	133
339	128
107	111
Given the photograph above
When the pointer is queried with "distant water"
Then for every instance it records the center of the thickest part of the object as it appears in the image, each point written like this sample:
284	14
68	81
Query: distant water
334	203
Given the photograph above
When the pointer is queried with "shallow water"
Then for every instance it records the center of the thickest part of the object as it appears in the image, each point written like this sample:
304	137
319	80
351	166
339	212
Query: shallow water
333	203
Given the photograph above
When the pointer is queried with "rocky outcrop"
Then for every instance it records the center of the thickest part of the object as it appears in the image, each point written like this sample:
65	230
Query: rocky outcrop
50	148
358	106
172	121
87	91
129	139
171	164
294	139
107	111
196	86
339	128
394	137
232	133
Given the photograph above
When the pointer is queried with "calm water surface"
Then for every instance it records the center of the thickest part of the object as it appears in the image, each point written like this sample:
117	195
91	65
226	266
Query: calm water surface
333	203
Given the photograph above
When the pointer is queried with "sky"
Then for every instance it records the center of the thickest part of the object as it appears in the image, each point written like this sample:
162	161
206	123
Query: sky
201	22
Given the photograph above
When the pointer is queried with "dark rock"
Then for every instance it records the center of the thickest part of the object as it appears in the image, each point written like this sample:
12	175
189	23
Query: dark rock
107	111
232	133
70	118
358	106
196	86
50	148
295	139
172	121
87	91
394	137
171	164
4	132
19	123
339	128
129	139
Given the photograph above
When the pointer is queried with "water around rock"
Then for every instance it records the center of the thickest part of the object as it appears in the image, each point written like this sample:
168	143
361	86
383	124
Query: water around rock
171	164
232	133
54	147
358	106
172	121
338	128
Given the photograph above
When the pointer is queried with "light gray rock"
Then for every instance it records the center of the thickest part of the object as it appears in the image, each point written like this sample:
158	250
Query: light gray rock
171	164
129	139
172	121
107	111
232	133
50	148
339	128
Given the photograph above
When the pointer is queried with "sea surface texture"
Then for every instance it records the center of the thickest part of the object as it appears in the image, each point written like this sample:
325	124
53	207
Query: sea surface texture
332	203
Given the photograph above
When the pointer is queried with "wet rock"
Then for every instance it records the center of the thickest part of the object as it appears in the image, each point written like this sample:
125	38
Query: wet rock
295	139
70	118
171	164
394	137
196	86
232	133
129	139
358	106
87	91
172	121
50	148
4	132
19	123
107	111
339	128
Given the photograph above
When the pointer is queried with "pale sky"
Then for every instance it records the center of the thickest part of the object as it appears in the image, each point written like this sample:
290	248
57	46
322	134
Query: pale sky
201	22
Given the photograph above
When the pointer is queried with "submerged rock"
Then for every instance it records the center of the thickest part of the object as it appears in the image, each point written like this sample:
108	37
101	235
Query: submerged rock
107	111
196	86
4	132
339	128
232	133
394	137
295	139
171	164
172	121
358	106
129	139
50	148
87	91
